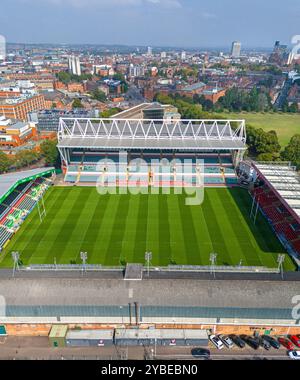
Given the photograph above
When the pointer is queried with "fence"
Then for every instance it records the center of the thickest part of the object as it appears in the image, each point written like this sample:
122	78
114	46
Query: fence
170	268
217	268
69	267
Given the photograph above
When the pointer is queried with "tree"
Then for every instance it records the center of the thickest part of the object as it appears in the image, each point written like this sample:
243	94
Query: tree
267	157
110	112
65	77
260	141
50	153
292	151
99	95
25	158
5	162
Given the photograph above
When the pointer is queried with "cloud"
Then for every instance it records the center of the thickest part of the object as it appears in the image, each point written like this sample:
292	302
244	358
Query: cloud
166	3
108	3
208	15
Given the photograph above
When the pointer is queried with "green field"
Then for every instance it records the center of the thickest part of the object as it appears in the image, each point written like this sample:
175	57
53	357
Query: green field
286	125
114	228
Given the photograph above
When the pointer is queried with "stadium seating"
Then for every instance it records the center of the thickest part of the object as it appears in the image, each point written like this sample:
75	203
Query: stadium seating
12	198
70	178
5	235
89	178
75	159
214	180
3	209
226	160
93	159
218	168
283	222
17	205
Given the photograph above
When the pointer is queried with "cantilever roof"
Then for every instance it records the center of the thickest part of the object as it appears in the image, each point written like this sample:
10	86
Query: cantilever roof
285	180
101	143
152	134
8	181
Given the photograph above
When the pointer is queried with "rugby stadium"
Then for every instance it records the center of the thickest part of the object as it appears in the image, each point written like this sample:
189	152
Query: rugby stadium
249	215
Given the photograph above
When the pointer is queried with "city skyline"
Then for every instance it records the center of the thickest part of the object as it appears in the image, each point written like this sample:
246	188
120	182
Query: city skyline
116	22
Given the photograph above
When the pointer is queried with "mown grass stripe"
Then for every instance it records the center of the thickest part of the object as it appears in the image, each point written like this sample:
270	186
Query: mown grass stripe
189	232
114	249
131	225
141	240
153	242
64	229
163	225
215	227
178	251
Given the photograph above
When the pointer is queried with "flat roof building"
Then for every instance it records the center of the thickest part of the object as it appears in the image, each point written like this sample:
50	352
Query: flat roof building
18	108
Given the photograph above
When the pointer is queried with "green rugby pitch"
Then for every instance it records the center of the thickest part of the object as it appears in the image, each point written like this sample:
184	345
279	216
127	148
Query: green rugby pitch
121	228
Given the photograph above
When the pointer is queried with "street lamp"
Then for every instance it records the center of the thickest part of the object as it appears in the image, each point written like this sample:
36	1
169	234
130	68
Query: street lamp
148	258
16	259
83	256
280	261
213	259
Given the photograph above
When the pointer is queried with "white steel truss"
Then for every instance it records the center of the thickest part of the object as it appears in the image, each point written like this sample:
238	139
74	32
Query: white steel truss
160	130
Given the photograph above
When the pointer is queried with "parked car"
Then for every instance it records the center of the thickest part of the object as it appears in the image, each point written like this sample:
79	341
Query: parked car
295	339
265	344
216	342
237	340
226	340
251	341
286	343
200	353
295	355
273	342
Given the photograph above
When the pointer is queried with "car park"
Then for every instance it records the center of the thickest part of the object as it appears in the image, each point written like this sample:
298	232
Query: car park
273	342
265	344
200	353
237	340
226	340
286	343
295	355
295	339
251	341
216	342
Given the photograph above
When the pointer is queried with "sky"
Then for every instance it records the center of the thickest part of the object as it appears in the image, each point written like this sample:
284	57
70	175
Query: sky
176	23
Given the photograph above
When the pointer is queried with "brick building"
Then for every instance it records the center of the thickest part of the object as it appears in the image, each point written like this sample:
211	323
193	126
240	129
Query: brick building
18	108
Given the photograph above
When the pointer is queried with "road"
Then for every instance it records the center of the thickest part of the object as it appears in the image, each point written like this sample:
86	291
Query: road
37	348
283	94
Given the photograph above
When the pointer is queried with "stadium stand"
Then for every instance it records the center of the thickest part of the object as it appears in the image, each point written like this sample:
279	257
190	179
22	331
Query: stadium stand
19	197
279	200
90	148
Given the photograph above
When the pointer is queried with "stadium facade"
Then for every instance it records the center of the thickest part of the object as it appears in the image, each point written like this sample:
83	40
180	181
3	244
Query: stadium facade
84	143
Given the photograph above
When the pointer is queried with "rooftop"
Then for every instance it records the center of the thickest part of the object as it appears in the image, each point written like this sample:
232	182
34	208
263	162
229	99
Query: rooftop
152	134
285	180
10	181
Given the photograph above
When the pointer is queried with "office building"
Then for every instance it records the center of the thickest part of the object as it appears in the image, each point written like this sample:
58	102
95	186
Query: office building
74	65
19	107
136	71
236	49
2	48
48	120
